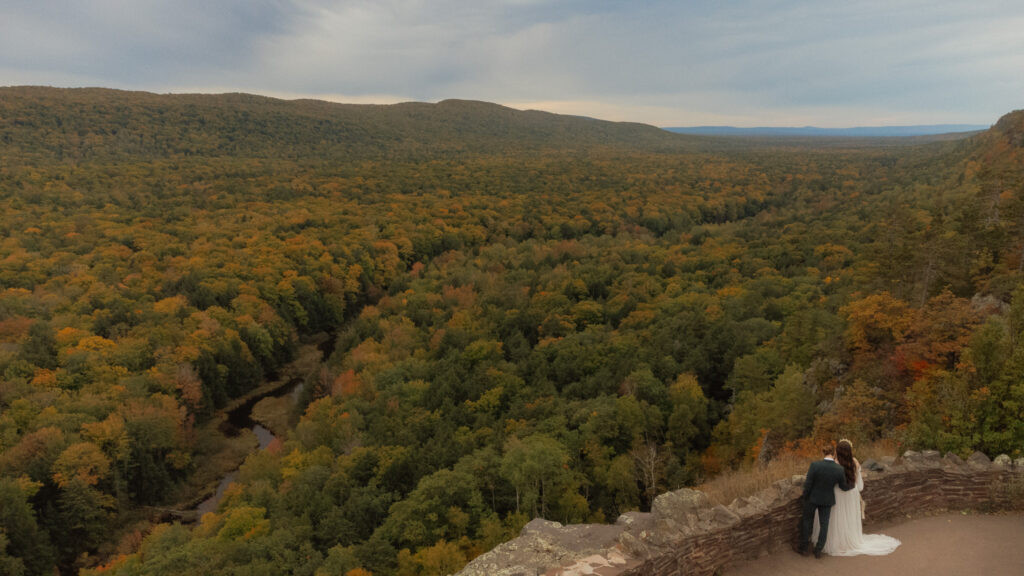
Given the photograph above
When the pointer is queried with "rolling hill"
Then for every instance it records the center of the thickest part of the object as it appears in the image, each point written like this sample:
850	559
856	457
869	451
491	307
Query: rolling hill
94	123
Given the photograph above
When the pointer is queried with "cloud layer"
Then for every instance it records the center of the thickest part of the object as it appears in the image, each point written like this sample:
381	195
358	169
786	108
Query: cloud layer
744	62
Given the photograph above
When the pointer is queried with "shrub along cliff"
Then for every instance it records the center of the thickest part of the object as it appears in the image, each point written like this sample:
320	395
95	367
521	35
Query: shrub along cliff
531	315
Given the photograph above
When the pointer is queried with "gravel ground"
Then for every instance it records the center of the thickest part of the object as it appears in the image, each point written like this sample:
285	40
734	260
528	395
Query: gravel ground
950	544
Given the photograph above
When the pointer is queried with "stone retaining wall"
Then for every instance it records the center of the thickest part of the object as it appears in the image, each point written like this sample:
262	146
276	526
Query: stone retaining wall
685	534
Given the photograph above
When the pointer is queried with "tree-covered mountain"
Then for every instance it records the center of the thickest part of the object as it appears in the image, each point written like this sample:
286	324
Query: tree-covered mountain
529	314
45	124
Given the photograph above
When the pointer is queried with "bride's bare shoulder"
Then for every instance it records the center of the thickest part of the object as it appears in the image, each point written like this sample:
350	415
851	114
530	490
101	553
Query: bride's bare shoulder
856	463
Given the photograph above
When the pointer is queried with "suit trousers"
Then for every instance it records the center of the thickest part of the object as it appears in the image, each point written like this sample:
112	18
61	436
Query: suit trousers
807	524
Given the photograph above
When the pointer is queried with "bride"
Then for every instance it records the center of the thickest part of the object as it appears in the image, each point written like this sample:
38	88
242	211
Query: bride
845	533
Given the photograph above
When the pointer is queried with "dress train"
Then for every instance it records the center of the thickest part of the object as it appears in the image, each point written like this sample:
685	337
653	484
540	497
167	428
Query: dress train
846	532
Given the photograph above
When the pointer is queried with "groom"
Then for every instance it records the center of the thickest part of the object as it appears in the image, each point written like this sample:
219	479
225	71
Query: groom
819	496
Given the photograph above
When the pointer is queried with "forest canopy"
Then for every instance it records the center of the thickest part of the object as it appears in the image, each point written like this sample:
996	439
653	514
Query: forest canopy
527	315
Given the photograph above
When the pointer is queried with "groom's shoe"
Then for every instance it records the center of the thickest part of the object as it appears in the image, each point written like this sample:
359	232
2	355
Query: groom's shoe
817	554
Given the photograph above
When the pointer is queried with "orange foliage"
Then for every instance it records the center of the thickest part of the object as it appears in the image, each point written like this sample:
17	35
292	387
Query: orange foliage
877	320
804	448
348	384
190	386
13	329
275	447
44	379
711	462
115	562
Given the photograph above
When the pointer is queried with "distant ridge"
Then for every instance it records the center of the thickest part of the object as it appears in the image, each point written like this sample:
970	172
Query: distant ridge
57	124
856	132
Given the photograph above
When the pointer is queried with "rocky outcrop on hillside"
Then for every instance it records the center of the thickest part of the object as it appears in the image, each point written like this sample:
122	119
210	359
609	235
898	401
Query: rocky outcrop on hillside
1012	127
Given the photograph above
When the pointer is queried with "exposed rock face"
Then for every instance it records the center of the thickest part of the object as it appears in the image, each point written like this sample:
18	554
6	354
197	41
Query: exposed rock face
543	544
872	465
979	461
680	504
685	533
1012	126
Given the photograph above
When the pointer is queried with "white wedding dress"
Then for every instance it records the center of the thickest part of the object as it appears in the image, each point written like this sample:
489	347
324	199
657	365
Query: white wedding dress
846	533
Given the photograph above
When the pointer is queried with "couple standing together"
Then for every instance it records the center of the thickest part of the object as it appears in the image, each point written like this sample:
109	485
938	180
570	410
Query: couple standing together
832	493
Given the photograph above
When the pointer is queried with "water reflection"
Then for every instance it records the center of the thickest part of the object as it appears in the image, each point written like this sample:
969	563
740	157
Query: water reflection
264	436
236	421
210	504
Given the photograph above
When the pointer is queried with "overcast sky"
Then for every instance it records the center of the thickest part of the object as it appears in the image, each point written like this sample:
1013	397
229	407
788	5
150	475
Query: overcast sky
668	63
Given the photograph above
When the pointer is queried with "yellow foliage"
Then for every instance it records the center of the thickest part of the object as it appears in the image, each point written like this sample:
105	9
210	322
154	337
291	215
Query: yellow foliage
441	558
244	523
69	336
84	461
170	306
96	344
108	432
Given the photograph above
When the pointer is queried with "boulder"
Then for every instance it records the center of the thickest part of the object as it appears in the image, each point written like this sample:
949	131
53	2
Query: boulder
1002	461
539	526
979	461
792	488
635	521
872	465
954	460
667	533
920	460
680	504
634	545
749	506
718	517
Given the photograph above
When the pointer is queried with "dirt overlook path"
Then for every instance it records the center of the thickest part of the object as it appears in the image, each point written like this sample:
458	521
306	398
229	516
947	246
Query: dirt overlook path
948	544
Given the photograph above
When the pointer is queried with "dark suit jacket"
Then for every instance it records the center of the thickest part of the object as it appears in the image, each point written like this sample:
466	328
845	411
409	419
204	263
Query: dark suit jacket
822	477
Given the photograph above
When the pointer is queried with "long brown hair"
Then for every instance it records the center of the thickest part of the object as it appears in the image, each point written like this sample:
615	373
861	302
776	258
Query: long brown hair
844	455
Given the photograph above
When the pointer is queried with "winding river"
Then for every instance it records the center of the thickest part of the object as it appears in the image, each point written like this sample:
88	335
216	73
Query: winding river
240	419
